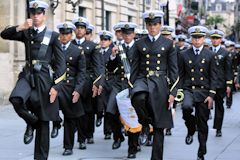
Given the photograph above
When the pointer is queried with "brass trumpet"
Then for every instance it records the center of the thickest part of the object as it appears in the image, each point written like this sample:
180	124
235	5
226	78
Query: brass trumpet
180	96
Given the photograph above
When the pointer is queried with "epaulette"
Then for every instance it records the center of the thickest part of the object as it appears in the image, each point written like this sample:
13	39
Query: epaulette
97	47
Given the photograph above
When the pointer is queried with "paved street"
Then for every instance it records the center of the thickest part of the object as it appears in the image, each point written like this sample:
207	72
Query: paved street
224	148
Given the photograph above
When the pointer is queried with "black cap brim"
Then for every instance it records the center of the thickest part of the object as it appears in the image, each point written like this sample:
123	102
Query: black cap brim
78	24
153	20
65	30
127	31
37	10
105	37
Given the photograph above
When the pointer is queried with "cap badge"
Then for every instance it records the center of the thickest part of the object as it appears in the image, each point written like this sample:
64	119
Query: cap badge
126	26
65	25
35	5
197	30
104	33
151	15
80	20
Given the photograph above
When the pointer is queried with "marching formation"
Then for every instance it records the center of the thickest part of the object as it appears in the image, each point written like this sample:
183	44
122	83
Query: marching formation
132	85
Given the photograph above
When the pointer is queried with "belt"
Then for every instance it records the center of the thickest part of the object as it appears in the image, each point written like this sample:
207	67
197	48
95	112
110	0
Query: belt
39	62
155	73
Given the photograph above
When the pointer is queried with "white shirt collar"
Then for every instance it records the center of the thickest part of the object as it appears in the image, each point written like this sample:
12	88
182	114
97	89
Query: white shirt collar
155	37
217	48
200	49
104	49
81	40
130	44
40	29
66	45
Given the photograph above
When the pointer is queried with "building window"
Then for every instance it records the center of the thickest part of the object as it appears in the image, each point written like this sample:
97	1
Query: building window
129	18
148	2
218	7
239	7
82	12
107	20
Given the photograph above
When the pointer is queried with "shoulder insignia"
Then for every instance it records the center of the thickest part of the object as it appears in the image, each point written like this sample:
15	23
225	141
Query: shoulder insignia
97	47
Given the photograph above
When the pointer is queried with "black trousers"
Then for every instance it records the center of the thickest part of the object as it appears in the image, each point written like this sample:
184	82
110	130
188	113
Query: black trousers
229	100
132	142
70	125
199	119
140	104
219	109
116	126
23	112
41	149
158	142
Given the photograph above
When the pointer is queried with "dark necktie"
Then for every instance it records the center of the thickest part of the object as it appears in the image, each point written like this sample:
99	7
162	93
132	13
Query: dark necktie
35	31
153	39
78	42
215	50
63	47
197	52
127	48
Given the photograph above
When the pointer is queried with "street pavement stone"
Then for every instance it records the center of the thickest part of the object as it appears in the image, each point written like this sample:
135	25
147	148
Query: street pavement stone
226	147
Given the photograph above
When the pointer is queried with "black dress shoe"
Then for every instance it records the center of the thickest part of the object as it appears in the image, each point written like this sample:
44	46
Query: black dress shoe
189	139
82	146
54	132
116	144
67	152
218	133
98	122
143	136
168	132
107	136
201	157
131	155
90	140
28	135
138	148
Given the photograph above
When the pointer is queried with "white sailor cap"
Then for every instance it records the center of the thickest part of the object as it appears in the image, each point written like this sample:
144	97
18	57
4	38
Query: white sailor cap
66	27
117	27
181	37
216	33
80	21
229	43
38	6
166	30
237	46
90	28
198	31
128	27
153	16
104	34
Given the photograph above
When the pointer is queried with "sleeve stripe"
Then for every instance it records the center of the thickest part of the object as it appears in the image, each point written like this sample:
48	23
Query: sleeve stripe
97	79
174	85
60	78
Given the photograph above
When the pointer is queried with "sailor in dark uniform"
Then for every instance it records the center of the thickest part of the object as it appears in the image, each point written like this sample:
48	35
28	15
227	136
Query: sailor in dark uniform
229	45
121	83
94	69
72	88
154	58
224	81
197	71
118	34
181	43
102	100
89	33
36	90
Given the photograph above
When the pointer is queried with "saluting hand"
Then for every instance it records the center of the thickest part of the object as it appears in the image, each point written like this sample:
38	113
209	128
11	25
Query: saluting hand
114	51
53	95
170	101
228	91
76	97
210	102
26	25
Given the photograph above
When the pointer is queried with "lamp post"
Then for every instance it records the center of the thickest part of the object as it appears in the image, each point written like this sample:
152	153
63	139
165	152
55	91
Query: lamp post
74	4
